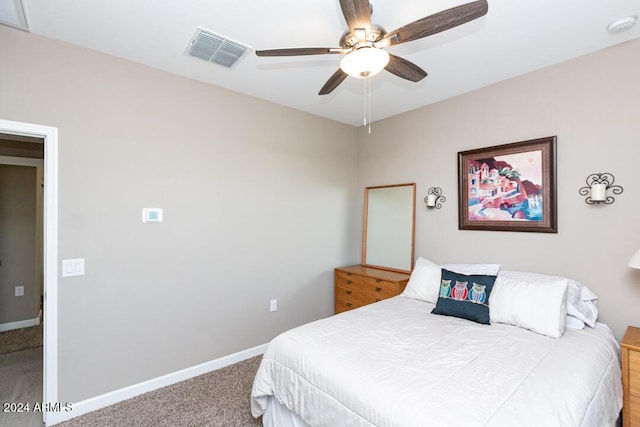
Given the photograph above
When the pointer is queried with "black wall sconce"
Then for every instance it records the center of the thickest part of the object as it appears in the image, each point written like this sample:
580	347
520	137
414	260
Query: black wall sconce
597	186
434	198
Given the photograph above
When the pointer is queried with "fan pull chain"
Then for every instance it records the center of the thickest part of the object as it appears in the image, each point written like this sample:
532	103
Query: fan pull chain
364	105
369	97
367	103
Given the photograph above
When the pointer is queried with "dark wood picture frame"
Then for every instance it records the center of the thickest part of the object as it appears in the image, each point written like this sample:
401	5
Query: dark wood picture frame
509	187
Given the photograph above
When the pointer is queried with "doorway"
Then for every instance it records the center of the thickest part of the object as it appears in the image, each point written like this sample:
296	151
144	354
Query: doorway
21	326
49	136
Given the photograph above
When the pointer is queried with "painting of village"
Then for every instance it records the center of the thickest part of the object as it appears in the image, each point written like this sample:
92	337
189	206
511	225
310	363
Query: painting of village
506	188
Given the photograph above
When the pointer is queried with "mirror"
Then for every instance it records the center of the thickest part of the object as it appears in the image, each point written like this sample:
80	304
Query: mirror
389	223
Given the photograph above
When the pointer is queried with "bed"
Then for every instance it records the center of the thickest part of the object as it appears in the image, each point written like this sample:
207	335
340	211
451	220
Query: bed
394	363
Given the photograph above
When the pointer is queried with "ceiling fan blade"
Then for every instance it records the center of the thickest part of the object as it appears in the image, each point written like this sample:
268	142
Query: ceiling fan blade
299	51
333	82
437	22
357	13
405	69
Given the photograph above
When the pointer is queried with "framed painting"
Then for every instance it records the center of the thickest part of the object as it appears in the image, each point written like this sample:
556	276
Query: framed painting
510	187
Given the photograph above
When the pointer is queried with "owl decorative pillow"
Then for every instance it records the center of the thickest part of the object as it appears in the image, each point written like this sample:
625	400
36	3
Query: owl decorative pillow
465	296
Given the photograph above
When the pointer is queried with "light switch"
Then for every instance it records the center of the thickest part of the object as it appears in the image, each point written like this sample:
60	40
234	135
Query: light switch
73	267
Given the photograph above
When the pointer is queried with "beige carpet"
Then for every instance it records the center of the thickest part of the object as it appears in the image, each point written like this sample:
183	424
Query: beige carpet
20	339
217	399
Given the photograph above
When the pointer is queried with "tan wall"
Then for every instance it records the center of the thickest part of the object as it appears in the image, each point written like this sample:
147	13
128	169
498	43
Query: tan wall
256	198
591	104
18	244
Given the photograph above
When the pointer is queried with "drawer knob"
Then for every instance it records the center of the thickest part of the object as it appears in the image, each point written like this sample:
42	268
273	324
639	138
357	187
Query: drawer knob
349	282
348	292
378	289
349	274
348	304
378	280
378	300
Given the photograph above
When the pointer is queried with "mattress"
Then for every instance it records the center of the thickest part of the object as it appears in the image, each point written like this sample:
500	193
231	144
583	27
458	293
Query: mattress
393	363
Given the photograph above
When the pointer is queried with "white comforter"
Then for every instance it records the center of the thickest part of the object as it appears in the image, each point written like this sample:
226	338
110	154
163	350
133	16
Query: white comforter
394	364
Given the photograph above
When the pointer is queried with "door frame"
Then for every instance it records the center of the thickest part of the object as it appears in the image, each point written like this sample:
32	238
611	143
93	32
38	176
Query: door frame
50	250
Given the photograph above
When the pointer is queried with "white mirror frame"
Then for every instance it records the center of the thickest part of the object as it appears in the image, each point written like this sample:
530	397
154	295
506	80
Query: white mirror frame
389	227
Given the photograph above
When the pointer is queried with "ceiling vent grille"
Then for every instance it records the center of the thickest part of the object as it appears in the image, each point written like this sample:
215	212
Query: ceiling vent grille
215	48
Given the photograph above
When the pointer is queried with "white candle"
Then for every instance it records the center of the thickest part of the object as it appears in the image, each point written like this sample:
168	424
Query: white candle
431	200
598	192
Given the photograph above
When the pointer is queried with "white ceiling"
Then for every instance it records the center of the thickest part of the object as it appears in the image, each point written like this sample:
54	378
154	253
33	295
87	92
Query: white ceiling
515	37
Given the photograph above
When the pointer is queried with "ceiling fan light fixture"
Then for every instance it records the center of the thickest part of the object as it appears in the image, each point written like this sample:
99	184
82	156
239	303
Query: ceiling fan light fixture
364	62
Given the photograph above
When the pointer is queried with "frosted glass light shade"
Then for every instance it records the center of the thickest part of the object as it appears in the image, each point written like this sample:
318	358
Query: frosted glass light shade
364	62
634	261
598	192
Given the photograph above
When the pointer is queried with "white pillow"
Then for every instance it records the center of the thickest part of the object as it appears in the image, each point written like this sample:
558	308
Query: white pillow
573	323
424	283
539	306
581	301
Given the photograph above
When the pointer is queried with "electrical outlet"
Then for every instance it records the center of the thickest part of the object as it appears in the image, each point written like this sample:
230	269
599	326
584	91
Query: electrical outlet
19	290
273	305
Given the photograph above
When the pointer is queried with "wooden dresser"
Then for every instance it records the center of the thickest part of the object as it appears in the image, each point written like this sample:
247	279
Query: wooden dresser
357	285
630	348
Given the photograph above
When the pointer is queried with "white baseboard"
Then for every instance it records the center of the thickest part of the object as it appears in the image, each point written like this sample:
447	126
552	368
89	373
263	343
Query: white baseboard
98	402
21	324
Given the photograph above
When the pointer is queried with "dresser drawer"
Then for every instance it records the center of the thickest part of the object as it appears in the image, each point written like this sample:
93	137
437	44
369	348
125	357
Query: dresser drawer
341	305
366	288
357	293
634	360
634	373
346	291
379	288
348	302
634	411
349	278
380	283
634	383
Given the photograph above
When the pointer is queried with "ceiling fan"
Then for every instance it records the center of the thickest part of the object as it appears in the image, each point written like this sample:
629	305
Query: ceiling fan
363	43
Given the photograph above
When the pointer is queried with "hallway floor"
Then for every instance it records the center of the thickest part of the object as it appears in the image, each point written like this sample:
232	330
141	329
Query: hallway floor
20	383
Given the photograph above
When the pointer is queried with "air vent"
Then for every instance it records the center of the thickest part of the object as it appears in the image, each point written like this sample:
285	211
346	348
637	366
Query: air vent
215	48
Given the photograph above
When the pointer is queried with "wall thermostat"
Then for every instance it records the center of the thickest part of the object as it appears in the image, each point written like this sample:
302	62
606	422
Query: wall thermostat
152	215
